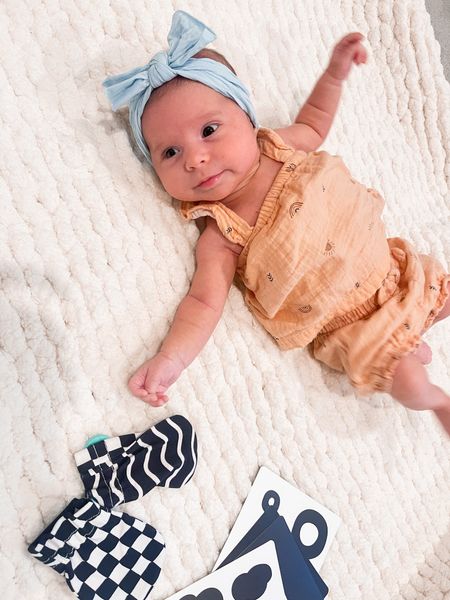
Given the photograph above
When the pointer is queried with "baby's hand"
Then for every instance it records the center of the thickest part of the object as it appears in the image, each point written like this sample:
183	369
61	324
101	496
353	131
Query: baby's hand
154	377
346	52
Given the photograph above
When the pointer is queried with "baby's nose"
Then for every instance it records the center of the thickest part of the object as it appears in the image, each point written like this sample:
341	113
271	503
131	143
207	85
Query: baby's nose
195	158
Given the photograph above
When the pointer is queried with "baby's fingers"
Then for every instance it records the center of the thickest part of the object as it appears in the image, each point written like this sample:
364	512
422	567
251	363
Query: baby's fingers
136	383
152	398
141	393
360	56
350	38
156	400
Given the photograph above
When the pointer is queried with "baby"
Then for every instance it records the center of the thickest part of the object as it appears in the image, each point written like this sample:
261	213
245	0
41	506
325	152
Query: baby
306	239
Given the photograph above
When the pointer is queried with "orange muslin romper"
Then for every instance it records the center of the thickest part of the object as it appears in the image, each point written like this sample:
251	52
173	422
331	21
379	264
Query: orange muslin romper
317	267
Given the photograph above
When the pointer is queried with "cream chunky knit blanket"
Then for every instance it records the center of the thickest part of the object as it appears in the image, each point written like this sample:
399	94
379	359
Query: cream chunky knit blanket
94	260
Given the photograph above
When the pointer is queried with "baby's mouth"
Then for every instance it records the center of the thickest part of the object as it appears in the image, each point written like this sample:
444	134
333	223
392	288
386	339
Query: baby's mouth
211	181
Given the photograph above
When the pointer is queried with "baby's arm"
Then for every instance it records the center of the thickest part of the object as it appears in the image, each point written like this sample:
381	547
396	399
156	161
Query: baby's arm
316	116
195	319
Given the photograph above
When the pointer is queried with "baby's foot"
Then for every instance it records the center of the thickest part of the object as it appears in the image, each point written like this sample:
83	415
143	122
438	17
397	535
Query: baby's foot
424	353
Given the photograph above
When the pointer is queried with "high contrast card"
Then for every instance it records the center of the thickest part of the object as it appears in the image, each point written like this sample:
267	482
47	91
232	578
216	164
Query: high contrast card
300	579
312	525
254	576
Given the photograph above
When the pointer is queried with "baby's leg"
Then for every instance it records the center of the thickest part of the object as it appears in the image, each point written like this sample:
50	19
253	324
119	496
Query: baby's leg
414	390
424	353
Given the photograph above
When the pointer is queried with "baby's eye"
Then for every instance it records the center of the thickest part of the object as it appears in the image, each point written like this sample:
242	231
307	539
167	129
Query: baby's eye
170	152
209	129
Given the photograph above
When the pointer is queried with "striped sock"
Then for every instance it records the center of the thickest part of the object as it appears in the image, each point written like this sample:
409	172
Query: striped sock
125	468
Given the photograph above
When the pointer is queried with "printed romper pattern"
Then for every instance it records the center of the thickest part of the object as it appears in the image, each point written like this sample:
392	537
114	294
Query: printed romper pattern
317	267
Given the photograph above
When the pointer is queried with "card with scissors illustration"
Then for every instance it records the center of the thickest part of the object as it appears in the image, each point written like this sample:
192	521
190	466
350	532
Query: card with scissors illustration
312	525
255	575
300	580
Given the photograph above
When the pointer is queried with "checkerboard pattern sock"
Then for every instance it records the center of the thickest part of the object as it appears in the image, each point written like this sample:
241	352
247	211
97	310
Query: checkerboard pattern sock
124	468
103	555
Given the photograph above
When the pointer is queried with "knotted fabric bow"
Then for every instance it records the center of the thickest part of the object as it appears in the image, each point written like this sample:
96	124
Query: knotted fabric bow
187	36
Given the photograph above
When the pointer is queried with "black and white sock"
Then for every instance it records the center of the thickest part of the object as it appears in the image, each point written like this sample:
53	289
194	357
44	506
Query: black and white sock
120	469
103	555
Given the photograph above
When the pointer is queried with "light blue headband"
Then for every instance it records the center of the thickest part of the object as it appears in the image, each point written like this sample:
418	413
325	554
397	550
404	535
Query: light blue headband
187	36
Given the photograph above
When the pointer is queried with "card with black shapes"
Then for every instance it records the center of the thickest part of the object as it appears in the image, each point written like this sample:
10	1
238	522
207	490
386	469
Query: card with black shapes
300	580
254	576
313	526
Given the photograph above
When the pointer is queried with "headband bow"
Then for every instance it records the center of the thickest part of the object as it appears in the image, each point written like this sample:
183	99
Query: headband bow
186	37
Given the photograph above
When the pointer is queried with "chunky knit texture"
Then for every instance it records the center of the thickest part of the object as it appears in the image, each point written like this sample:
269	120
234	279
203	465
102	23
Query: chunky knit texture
94	260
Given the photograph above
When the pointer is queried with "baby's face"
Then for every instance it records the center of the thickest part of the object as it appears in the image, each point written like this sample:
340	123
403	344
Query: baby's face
202	145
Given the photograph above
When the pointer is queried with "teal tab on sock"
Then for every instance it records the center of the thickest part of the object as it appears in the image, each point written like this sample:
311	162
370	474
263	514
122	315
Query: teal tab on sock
96	438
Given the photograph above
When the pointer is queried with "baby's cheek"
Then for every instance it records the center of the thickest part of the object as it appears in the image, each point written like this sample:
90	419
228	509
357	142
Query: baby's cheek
173	186
164	179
